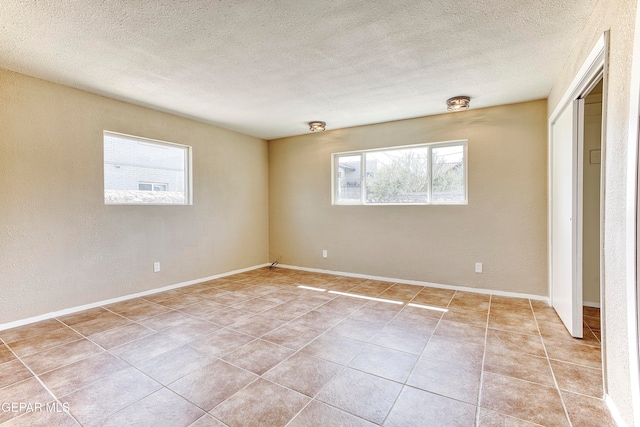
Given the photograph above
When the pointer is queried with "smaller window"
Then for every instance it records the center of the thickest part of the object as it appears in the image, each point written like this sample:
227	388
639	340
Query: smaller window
151	186
140	171
409	175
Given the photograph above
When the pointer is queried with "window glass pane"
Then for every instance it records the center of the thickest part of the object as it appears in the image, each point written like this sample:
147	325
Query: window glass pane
398	176
140	171
348	179
448	174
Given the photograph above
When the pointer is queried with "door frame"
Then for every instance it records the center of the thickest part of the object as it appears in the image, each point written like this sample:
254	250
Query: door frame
593	67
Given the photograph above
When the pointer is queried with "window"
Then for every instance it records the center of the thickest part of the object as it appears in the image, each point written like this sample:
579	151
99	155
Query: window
140	171
152	186
410	175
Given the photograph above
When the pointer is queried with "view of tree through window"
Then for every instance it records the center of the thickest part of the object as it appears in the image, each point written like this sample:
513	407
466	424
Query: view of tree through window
419	174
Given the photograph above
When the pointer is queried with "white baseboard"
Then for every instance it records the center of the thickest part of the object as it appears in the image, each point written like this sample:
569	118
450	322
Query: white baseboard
420	283
76	309
591	304
613	409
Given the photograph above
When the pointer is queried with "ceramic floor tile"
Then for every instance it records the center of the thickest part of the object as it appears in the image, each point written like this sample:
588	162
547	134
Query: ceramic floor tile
174	364
418	408
385	362
226	316
294	337
454	351
417	319
91	404
372	314
27	391
74	376
587	411
557	331
118	336
317	320
364	395
304	374
98	322
191	330
578	379
317	414
148	347
285	312
258	356
12	372
210	385
513	323
5	354
43	418
472	317
257	325
487	418
402	339
201	308
522	399
358	329
44	327
521	343
61	355
574	352
262	403
518	365
165	320
208	421
137	309
461	331
160	408
255	305
37	343
446	379
221	342
469	301
334	348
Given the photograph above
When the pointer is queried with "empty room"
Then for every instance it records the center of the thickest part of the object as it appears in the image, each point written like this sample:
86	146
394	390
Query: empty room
297	213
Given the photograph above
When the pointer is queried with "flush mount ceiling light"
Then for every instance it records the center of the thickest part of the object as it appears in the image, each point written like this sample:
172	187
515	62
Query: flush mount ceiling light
458	103
317	126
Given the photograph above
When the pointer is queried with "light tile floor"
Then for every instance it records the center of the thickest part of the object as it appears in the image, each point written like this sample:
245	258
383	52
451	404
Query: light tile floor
254	349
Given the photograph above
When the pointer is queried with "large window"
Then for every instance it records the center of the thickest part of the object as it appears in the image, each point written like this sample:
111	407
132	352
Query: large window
140	171
410	175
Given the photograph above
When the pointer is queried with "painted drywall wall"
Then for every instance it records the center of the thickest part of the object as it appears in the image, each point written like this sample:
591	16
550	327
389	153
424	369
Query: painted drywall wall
591	200
62	247
503	226
617	16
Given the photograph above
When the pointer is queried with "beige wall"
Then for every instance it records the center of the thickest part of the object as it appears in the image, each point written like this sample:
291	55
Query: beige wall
62	247
591	201
618	16
504	225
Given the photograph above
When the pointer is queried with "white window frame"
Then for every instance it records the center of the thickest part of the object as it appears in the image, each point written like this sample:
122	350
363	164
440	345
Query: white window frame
363	178
188	175
152	184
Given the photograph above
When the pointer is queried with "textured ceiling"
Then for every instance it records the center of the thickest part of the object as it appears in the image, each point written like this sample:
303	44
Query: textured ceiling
266	67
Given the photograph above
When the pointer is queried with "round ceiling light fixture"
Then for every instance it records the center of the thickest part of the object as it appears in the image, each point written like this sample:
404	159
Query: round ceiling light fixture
317	126
458	103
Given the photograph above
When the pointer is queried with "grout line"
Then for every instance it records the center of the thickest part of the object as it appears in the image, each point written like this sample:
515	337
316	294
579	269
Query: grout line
484	357
553	375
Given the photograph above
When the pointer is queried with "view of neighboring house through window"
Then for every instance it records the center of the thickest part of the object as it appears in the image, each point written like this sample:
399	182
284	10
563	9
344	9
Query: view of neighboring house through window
409	175
143	171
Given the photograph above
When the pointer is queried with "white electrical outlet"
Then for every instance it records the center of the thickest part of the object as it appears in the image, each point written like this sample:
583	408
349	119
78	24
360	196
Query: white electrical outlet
478	267
156	266
324	253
